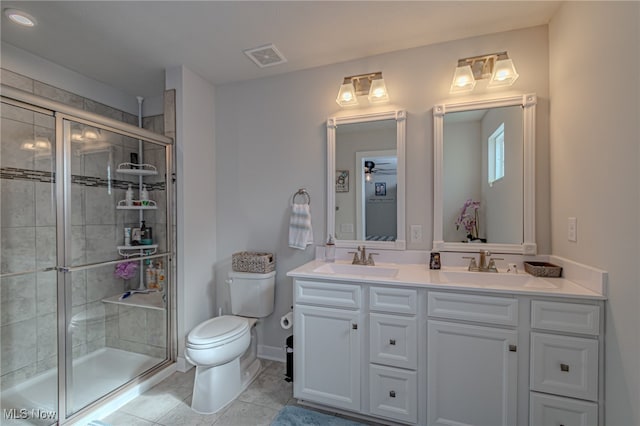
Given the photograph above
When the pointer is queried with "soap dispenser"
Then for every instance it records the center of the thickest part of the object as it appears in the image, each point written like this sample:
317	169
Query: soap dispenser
330	250
129	196
144	195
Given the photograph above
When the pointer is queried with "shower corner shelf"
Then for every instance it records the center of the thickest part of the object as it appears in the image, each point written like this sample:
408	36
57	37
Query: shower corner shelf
134	251
137	169
122	205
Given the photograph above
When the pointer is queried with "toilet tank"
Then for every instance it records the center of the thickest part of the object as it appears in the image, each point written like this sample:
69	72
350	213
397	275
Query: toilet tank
252	295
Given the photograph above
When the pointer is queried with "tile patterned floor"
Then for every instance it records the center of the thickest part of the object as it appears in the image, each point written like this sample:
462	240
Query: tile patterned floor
169	403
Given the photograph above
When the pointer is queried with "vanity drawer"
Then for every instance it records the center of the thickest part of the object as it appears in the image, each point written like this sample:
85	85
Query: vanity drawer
396	300
393	340
556	410
393	393
564	365
567	317
329	294
471	307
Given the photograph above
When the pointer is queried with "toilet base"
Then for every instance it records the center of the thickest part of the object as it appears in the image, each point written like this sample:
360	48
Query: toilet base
216	387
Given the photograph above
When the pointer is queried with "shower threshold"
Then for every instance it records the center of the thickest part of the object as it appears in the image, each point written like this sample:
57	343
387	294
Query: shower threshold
94	375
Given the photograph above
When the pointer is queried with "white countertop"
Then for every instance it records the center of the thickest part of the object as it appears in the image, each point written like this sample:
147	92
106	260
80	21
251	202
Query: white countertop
419	275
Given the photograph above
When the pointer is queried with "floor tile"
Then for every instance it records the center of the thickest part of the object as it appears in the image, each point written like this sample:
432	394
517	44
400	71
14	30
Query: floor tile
183	415
268	391
242	413
120	419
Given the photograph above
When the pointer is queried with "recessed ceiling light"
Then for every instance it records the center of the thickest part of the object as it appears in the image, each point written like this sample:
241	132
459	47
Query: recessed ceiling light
20	17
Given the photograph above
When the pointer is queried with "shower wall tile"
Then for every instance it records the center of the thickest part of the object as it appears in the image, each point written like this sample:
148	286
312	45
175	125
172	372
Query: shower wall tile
102	109
78	329
47	364
79	288
101	163
101	284
45	160
101	242
15	113
156	328
46	292
58	95
47	343
77	204
132	324
154	123
18	295
99	206
96	321
18	247
45	121
18	207
14	134
130	118
46	247
18	81
18	345
78	245
10	379
45	200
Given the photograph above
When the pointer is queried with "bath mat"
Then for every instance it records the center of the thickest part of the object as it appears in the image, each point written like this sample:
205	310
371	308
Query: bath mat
292	415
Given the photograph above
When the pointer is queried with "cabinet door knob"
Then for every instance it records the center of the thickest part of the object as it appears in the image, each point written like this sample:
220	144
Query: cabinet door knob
513	348
392	394
564	367
354	326
392	342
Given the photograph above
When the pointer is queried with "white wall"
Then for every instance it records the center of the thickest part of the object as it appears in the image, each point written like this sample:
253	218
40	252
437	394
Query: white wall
595	163
196	200
271	140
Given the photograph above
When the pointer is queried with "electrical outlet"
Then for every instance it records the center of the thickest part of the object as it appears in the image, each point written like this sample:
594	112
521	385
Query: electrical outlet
416	233
572	229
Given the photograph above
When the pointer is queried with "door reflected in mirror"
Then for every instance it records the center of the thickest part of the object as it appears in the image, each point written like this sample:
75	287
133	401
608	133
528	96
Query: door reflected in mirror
483	176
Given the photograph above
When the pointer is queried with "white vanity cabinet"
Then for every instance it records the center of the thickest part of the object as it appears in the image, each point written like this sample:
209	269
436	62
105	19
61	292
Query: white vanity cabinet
328	336
427	355
565	363
472	367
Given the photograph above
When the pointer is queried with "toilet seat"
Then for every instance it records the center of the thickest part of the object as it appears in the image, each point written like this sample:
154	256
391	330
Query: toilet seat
217	331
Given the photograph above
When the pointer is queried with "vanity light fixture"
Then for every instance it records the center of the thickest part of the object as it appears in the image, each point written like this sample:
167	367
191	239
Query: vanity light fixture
371	84
20	17
495	66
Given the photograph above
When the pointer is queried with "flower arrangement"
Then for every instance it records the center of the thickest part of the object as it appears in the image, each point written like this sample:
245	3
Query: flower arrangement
126	270
468	219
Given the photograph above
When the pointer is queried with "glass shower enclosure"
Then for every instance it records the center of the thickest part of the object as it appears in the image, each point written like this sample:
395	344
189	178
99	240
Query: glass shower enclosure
85	258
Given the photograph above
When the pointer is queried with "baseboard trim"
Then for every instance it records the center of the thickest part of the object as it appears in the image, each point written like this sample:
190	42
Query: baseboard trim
183	365
273	353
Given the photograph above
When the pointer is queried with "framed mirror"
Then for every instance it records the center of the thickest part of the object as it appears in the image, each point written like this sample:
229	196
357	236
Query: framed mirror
366	179
484	175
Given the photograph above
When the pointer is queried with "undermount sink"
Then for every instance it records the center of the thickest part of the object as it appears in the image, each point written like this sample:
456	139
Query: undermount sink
494	279
349	269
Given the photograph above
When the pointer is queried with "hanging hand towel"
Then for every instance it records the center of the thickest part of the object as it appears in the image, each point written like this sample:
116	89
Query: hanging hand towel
300	231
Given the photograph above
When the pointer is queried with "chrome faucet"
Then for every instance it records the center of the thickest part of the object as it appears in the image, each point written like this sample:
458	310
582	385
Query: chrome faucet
482	265
360	257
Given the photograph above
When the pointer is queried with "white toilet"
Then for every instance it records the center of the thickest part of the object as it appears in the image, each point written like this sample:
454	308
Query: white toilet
224	349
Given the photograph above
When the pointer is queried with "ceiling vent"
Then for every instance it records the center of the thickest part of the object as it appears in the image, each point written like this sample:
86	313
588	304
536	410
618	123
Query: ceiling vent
265	56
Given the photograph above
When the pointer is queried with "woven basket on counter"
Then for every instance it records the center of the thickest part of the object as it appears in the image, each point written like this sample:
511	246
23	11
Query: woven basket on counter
543	269
250	261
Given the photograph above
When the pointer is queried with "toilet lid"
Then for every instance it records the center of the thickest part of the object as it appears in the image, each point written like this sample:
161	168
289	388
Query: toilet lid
218	329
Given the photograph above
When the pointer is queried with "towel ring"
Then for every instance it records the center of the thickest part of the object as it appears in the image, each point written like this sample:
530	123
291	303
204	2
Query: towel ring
302	192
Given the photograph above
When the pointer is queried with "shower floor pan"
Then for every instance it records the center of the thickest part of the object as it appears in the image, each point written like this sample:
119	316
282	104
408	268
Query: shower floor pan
94	375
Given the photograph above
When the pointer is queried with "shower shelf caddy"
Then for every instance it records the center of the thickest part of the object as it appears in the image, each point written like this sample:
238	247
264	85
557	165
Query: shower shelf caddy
141	250
137	169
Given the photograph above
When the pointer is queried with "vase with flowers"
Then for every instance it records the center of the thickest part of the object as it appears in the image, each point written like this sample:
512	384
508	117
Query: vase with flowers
468	219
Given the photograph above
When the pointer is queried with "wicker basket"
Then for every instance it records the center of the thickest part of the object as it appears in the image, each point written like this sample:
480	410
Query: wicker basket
543	269
249	261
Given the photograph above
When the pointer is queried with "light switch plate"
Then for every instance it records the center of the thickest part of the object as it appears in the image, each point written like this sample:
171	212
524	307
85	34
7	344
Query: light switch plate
416	233
572	229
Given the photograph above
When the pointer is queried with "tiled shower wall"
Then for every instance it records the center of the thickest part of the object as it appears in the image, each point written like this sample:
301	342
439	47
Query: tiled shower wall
28	238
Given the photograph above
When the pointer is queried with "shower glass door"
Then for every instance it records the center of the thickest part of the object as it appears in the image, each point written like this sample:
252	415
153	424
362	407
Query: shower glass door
115	253
28	276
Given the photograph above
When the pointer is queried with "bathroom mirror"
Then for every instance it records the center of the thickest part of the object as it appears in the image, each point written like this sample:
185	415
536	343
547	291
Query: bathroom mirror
365	179
484	175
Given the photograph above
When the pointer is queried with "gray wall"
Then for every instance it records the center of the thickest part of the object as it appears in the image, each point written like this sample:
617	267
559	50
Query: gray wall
595	172
271	140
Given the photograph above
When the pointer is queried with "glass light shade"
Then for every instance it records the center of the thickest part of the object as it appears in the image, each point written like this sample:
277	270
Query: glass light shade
347	95
504	73
378	92
463	80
